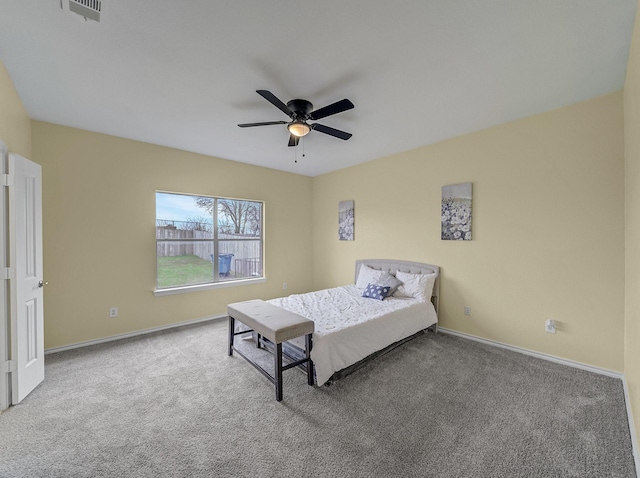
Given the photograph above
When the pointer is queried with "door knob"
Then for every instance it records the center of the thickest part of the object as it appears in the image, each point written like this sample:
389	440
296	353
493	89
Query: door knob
42	284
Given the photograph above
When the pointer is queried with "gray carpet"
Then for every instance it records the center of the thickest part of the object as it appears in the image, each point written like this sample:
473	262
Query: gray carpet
173	404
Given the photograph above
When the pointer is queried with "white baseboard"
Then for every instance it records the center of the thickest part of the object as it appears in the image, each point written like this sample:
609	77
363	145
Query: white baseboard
632	427
570	363
533	353
133	334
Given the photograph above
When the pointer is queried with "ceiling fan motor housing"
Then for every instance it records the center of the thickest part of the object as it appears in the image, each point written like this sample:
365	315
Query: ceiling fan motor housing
301	108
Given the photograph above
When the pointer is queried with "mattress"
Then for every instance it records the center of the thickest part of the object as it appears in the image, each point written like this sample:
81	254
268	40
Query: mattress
349	327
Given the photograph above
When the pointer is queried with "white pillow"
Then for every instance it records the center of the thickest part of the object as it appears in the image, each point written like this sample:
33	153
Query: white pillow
388	280
418	286
367	276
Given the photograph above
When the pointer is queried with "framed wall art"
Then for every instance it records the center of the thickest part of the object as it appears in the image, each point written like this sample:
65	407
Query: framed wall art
346	220
456	212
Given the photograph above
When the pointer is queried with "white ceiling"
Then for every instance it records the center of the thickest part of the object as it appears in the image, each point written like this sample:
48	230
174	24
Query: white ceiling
184	73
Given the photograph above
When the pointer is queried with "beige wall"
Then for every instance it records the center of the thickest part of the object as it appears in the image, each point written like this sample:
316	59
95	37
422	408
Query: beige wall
15	125
99	231
632	222
548	228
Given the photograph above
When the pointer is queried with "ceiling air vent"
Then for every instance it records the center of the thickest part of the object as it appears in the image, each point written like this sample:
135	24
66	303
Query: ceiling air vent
87	8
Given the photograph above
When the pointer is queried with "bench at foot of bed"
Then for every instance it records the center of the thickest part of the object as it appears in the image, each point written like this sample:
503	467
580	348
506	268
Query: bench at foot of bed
276	324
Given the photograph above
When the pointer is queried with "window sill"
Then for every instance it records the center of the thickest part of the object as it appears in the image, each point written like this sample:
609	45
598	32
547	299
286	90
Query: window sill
214	285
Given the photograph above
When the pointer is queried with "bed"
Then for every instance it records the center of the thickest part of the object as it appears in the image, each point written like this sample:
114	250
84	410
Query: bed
350	329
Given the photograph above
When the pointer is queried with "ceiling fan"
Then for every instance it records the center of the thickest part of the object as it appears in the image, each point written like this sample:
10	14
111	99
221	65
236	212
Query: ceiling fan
301	111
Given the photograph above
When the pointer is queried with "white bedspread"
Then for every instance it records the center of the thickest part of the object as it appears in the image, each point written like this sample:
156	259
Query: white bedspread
349	327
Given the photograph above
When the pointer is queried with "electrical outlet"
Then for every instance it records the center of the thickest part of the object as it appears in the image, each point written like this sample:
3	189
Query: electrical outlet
550	326
467	310
113	312
284	285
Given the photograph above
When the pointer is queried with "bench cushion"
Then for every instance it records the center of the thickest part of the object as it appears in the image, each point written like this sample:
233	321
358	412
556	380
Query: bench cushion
272	322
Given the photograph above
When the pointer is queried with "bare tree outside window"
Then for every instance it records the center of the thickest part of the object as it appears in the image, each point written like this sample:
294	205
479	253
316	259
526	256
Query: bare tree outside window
234	216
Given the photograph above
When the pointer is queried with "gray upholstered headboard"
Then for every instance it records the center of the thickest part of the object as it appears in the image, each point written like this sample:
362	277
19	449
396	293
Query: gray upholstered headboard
392	266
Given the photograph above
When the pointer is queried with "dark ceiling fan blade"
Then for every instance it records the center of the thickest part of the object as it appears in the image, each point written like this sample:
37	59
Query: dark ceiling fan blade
248	125
332	109
293	140
271	98
331	131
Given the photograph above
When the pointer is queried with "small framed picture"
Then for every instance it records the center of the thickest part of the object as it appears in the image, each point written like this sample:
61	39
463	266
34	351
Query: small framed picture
346	220
456	212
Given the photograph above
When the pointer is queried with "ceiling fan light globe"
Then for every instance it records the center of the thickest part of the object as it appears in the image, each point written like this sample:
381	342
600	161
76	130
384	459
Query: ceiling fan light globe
299	129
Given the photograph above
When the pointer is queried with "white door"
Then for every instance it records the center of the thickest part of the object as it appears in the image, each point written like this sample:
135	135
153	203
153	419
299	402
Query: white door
25	245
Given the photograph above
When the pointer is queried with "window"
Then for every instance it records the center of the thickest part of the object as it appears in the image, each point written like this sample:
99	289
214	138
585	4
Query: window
203	240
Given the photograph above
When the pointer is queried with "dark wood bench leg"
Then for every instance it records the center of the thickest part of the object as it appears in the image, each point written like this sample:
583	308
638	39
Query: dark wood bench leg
258	342
278	371
308	343
232	327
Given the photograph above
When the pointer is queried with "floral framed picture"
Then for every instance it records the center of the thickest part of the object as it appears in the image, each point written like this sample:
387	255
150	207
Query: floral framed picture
456	212
346	219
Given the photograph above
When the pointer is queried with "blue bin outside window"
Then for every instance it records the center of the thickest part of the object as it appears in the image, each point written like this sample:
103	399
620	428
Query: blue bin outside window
224	264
